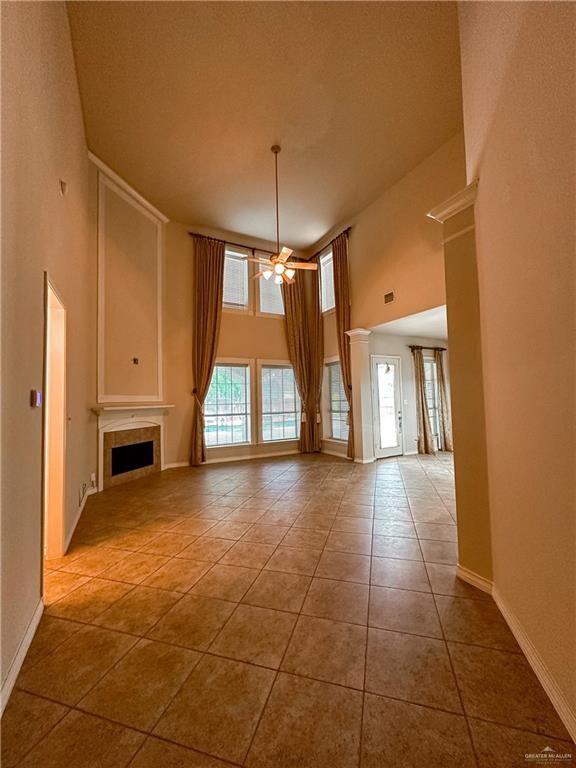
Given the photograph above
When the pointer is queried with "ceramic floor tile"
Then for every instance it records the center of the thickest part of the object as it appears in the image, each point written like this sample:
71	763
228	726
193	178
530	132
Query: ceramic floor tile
74	667
437	531
248	554
25	721
304	538
345	567
400	547
83	741
96	562
520	701
51	633
404	611
281	591
352	524
478	622
177	575
501	747
233	531
57	584
308	724
218	708
291	560
140	687
398	734
338	600
439	552
193	622
135	567
327	650
265	534
444	581
88	601
416	669
161	754
206	549
353	543
402	574
168	544
138	611
257	635
226	582
390	527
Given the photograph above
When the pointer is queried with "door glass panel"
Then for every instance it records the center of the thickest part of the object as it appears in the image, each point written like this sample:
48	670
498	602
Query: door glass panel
387	405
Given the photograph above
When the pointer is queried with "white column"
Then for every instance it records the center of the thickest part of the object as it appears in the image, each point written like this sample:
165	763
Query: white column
361	395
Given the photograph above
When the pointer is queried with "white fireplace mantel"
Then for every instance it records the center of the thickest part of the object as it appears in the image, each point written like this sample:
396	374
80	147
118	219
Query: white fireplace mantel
113	418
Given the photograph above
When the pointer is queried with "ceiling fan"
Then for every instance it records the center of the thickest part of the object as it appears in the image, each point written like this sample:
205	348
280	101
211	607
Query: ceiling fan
278	265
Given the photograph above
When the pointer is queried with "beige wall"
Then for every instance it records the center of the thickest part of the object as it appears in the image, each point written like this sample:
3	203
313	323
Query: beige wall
129	243
241	335
42	142
518	89
394	246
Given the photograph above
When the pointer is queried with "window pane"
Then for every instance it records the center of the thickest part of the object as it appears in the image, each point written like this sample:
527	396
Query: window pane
280	404
431	390
271	300
327	282
337	403
227	406
235	279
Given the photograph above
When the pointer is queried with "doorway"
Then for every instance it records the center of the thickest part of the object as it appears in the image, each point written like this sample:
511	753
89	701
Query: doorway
54	449
387	406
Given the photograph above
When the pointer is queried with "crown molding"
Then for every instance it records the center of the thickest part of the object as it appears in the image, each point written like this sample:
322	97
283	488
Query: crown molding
455	204
123	184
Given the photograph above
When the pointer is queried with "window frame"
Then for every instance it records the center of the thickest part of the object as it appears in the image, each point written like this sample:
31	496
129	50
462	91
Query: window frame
327	251
326	402
260	364
248	363
249	308
258	312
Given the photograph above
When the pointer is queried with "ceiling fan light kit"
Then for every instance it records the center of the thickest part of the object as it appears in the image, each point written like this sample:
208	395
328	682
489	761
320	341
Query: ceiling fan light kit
278	265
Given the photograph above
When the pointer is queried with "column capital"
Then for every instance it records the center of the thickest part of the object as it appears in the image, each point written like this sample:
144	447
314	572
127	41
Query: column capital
358	334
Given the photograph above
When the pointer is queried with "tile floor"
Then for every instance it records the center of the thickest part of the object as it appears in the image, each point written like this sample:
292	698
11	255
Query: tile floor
273	614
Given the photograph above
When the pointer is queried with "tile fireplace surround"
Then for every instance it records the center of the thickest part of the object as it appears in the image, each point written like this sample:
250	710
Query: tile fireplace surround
123	425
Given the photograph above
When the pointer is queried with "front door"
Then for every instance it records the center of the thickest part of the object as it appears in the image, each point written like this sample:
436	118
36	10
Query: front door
387	406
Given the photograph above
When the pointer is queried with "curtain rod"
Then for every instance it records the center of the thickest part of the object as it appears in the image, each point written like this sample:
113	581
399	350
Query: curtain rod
344	232
417	346
228	242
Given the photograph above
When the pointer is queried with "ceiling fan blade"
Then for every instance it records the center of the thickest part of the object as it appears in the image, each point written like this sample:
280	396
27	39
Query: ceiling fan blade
300	265
258	274
287	280
258	261
285	254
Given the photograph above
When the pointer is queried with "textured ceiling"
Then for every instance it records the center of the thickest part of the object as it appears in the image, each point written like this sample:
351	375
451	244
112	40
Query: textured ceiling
185	99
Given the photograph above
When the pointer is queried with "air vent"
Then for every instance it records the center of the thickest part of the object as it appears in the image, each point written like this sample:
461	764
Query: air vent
389	297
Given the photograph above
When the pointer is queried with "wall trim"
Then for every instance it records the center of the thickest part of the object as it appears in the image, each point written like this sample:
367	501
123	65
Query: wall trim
558	699
364	461
335	453
18	659
458	234
101	165
463	199
480	582
176	465
88	492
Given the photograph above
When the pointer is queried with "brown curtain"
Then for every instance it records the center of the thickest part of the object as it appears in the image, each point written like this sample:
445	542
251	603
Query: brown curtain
444	404
425	440
305	338
342	296
208	271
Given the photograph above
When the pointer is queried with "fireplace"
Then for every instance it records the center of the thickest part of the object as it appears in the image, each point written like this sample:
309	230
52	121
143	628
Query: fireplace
130	454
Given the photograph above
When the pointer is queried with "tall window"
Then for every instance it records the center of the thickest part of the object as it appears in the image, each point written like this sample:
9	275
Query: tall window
270	301
337	403
227	406
236	291
431	388
280	404
327	299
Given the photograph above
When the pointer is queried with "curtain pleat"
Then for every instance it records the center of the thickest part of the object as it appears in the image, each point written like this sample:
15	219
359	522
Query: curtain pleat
305	339
425	440
444	409
342	297
208	272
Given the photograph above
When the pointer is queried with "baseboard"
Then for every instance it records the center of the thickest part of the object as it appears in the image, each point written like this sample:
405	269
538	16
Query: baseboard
335	453
18	660
251	457
364	461
475	579
410	453
565	711
176	465
89	492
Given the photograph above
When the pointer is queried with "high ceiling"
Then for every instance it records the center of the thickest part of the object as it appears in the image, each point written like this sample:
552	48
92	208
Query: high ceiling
184	100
